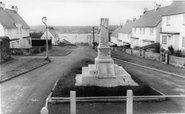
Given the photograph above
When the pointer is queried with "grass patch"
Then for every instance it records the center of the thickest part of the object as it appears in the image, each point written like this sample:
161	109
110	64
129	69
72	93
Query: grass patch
66	84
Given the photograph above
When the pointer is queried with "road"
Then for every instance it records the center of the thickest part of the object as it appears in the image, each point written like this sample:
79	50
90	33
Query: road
27	93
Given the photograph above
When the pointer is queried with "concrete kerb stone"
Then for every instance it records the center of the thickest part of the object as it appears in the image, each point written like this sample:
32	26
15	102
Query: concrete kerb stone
24	72
170	73
106	99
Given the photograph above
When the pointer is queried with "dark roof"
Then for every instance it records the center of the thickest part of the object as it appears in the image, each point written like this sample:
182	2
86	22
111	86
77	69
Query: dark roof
115	32
8	19
126	28
36	35
150	18
65	41
53	32
177	7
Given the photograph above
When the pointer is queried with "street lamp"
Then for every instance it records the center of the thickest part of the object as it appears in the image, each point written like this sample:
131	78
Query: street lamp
45	19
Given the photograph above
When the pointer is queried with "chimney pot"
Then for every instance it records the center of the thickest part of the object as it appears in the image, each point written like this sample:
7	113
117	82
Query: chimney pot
2	5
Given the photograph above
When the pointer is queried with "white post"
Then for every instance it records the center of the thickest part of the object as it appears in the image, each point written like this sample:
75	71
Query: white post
44	110
129	102
73	102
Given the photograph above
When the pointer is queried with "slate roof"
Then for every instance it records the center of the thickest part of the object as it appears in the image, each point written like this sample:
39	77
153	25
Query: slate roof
126	28
53	32
65	41
8	18
150	18
36	34
115	32
177	7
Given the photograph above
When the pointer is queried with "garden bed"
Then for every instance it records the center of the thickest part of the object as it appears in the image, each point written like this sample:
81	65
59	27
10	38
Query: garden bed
67	84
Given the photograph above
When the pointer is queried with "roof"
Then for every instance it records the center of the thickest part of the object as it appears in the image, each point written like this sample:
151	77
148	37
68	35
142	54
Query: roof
36	35
65	41
115	32
126	28
177	7
8	19
150	18
53	32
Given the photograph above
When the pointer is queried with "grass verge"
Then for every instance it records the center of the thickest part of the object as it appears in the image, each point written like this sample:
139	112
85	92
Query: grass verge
66	84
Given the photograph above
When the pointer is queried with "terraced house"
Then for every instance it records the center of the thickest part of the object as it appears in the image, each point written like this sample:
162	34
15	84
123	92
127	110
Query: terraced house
13	26
173	27
146	30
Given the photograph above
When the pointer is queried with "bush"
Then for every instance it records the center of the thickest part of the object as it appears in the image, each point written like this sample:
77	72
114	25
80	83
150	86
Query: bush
136	48
178	53
170	48
157	48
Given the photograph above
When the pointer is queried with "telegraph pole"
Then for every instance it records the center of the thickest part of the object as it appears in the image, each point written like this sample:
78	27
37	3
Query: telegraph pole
93	39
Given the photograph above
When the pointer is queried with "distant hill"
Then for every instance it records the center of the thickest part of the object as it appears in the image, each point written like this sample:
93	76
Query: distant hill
70	29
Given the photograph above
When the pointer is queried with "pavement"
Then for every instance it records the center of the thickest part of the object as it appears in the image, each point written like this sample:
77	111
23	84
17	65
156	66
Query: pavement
150	64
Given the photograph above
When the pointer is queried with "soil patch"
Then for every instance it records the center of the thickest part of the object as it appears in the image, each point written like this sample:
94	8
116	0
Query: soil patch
66	84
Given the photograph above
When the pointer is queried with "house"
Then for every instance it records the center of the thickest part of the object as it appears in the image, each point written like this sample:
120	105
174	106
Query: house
114	36
52	35
146	30
125	33
173	26
13	26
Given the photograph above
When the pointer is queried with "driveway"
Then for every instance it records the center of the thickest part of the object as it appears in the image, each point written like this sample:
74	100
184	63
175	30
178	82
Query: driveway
26	94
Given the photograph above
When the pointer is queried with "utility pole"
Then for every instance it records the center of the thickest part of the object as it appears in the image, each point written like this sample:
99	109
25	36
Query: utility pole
93	39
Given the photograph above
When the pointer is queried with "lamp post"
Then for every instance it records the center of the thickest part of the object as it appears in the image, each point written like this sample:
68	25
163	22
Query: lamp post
45	19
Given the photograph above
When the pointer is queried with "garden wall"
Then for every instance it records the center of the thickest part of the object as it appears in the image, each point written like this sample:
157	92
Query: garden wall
4	48
152	56
177	61
136	53
129	51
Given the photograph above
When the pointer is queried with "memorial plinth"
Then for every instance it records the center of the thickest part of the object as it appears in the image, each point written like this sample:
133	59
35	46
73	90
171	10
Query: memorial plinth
104	72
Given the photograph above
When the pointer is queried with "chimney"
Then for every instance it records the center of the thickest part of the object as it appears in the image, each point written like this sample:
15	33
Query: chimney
134	19
2	5
15	8
128	20
145	10
157	6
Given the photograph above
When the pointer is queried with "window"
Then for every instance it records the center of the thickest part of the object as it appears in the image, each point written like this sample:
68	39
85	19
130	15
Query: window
183	42
9	31
164	40
167	21
143	30
140	30
183	23
135	30
13	44
151	31
19	30
29	42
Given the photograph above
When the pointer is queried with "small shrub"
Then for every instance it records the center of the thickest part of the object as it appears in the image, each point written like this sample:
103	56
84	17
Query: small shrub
157	48
170	48
178	53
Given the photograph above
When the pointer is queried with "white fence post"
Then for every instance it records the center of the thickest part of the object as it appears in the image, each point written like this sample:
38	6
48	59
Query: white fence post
129	102
44	110
73	102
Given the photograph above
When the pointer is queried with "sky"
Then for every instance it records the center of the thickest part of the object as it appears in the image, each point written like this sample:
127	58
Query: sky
81	12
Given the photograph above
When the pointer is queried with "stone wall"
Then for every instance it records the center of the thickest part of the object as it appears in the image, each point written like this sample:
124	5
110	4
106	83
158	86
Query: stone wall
152	56
4	48
177	61
136	53
128	51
